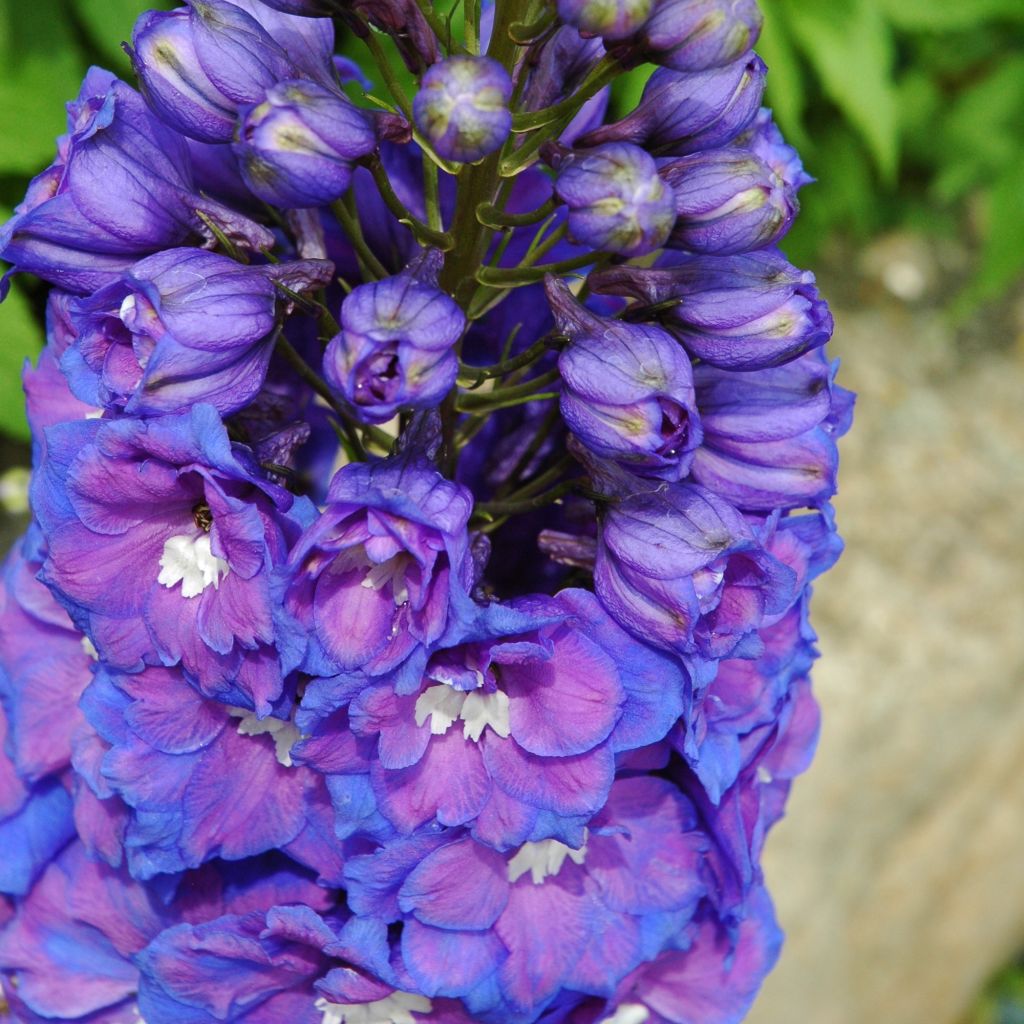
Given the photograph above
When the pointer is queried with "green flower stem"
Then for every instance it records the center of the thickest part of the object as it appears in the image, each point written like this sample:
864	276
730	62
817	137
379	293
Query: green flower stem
493	509
370	266
476	375
513	277
603	73
388	73
524	34
432	195
489	215
501	398
425	234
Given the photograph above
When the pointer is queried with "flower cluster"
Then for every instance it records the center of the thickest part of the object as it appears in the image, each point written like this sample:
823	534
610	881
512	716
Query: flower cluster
427	489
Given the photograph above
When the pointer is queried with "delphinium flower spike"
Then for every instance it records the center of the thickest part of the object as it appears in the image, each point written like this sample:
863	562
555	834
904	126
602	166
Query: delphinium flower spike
429	476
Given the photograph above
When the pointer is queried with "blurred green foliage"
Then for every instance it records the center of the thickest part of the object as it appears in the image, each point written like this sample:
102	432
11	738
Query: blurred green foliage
911	114
1003	1000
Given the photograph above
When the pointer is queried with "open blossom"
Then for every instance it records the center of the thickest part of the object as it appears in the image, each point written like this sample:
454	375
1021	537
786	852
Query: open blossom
161	537
413	624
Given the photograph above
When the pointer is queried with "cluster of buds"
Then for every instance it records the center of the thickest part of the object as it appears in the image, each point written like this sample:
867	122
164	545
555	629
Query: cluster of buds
427	489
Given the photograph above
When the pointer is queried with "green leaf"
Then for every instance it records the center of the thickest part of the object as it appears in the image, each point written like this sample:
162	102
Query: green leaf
1003	255
109	23
42	64
850	46
946	15
787	93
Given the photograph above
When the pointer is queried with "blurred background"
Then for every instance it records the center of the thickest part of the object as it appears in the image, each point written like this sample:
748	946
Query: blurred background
899	871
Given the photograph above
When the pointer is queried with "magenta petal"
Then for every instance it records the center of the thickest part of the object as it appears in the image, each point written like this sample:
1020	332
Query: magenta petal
449	782
565	705
449	963
565	785
461	886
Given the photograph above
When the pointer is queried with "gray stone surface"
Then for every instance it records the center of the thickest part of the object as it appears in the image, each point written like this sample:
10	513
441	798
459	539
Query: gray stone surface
899	871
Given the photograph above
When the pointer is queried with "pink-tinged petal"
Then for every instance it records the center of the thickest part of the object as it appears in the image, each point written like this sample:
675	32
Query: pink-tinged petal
168	714
504	822
353	622
565	785
461	886
567	704
545	929
334	748
261	810
613	948
715	980
379	710
236	611
449	963
655	864
449	782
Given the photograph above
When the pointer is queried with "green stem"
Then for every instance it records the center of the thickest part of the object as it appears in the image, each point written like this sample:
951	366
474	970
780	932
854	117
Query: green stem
387	73
492	217
432	195
476	375
493	509
500	398
369	265
423	232
602	74
513	277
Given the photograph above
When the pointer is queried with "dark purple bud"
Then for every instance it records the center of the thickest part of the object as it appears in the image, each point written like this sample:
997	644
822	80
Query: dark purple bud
628	389
173	81
296	148
403	21
617	201
682	113
694	35
558	67
766	442
396	346
728	201
610	19
183	326
681	569
462	107
121	188
737	312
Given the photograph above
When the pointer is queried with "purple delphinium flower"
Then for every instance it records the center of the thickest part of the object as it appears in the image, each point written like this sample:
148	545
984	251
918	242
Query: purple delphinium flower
121	187
396	349
525	923
384	573
180	327
297	146
462	107
743	312
69	952
617	202
682	569
198	779
160	539
627	390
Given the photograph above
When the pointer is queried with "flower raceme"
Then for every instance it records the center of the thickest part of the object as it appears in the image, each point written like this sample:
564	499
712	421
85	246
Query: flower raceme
430	471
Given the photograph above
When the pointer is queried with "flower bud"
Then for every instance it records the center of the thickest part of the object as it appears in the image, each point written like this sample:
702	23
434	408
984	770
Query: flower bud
737	312
610	19
462	107
396	346
304	8
694	35
297	147
617	201
728	201
628	389
173	81
682	113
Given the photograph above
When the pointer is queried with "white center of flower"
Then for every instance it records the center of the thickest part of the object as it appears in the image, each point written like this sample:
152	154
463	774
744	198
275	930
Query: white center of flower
543	859
89	648
189	561
127	308
444	705
285	734
628	1013
397	1008
392	571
